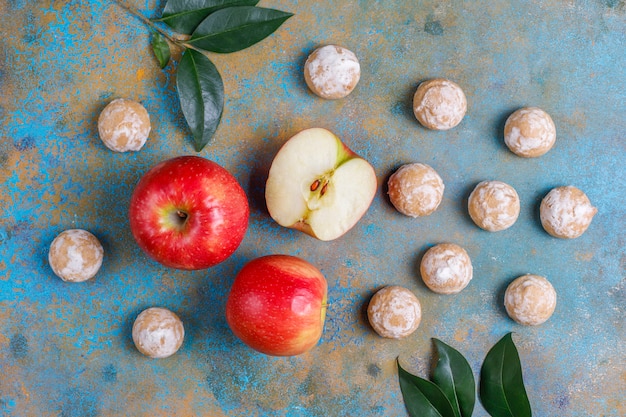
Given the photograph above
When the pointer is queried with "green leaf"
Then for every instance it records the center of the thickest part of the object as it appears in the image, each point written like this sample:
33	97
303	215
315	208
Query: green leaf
454	376
184	16
161	49
201	93
423	398
502	390
236	28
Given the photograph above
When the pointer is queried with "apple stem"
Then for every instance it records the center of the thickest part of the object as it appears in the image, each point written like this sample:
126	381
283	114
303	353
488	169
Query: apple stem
181	214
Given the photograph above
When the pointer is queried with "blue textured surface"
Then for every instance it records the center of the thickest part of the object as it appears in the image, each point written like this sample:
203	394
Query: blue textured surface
66	349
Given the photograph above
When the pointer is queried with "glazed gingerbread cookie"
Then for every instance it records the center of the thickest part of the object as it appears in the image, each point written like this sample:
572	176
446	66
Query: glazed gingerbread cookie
124	125
529	132
439	104
75	255
332	72
446	268
415	189
530	300
394	312
566	212
494	205
158	332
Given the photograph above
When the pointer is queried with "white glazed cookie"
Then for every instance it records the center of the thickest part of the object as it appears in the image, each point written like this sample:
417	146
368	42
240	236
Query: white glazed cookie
446	268
158	333
529	132
494	205
415	189
439	104
530	300
394	312
332	72
124	125
566	212
75	255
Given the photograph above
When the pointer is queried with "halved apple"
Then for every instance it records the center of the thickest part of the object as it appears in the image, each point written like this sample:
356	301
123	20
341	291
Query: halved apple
317	185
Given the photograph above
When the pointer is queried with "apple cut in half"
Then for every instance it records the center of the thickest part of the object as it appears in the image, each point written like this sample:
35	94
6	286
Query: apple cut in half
317	185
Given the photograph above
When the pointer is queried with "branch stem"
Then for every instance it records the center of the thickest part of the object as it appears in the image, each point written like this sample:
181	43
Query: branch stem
149	23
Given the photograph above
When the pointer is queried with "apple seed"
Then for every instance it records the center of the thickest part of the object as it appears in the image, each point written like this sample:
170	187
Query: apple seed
324	188
315	185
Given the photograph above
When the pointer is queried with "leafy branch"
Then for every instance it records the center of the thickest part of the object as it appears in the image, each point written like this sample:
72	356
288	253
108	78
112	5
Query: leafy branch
202	26
452	393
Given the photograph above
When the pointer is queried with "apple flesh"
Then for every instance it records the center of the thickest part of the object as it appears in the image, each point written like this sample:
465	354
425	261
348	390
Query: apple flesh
317	185
188	213
277	305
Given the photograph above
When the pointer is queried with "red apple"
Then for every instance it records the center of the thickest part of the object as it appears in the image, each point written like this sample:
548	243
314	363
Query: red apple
188	213
277	305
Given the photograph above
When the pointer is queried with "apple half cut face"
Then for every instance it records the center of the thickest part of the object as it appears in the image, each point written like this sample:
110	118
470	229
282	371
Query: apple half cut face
319	186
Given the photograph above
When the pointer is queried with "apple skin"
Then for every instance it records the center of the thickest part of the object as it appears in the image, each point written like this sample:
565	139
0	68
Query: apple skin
188	213
277	305
319	186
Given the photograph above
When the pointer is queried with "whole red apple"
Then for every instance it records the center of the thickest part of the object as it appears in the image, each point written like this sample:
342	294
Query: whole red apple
188	213
277	305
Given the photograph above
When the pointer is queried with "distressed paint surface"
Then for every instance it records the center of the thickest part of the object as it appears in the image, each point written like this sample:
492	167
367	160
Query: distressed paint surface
66	349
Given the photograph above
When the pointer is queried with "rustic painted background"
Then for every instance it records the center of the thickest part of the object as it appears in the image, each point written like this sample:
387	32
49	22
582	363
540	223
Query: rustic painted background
66	349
